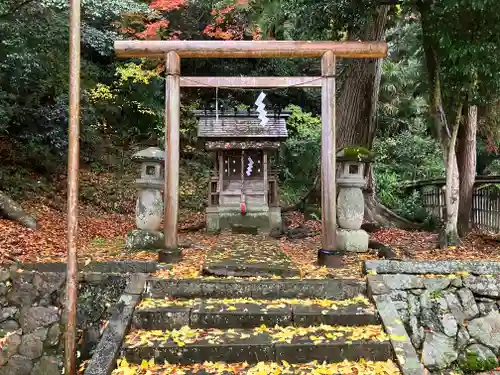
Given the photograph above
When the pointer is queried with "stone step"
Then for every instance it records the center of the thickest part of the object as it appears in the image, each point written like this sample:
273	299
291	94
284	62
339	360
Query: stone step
249	313
262	344
334	289
221	368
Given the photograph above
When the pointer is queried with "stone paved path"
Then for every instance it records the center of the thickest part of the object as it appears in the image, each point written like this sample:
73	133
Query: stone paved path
248	255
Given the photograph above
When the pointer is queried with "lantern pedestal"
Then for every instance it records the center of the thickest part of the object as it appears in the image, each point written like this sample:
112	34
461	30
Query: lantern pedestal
149	206
350	200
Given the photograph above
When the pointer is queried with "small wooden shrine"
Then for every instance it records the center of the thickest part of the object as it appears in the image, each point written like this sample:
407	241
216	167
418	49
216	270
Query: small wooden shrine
243	187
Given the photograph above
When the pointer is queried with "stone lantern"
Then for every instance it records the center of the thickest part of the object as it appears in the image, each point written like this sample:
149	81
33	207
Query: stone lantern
352	163
149	206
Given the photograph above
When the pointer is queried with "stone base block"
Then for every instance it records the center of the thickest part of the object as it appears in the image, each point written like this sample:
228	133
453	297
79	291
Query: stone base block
352	240
169	256
223	218
139	239
330	259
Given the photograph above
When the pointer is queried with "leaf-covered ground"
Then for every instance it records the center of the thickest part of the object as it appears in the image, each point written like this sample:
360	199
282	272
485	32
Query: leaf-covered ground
262	368
101	237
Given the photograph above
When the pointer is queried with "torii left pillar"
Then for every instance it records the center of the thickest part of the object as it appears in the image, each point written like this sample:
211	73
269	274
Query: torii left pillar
172	124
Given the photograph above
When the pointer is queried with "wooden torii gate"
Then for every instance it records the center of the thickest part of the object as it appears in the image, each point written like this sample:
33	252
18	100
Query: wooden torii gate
173	51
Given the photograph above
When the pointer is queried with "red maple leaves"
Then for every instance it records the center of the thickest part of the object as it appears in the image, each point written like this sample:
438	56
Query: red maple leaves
152	28
167	5
229	22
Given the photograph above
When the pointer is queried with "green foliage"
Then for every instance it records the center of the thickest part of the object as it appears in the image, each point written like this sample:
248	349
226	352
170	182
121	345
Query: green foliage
300	155
410	155
467	33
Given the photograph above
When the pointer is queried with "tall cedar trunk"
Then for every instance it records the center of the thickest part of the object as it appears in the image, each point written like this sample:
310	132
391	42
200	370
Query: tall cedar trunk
466	158
357	101
357	114
442	132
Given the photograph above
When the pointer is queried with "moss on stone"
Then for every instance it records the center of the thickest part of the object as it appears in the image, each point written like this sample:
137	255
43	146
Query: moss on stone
359	153
473	362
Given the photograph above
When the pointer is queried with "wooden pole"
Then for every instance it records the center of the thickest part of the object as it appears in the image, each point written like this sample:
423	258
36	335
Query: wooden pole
221	174
172	124
328	191
73	165
264	170
249	48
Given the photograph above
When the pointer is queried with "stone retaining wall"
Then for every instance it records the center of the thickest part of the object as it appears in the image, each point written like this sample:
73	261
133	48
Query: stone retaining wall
453	320
31	324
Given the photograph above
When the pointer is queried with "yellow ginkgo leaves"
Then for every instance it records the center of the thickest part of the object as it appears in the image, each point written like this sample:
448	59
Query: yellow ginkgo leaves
317	334
229	303
262	368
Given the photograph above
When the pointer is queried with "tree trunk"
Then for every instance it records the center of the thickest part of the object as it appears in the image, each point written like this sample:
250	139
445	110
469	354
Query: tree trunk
358	97
442	132
13	211
466	158
452	187
357	114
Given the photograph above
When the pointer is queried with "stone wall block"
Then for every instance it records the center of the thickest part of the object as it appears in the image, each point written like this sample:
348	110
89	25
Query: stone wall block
22	293
483	286
436	314
32	344
417	333
47	365
486	307
38	316
47	283
463	338
403	282
455	307
486	330
53	336
457	282
7	313
436	283
9	326
10	347
18	365
438	351
468	301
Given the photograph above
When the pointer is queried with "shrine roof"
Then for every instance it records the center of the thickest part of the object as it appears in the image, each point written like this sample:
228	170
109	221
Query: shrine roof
241	125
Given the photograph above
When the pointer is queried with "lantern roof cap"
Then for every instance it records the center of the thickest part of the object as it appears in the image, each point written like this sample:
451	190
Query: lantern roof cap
149	154
358	154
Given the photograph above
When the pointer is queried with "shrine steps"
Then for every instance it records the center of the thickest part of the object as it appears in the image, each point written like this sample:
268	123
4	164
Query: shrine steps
332	289
246	313
252	331
231	322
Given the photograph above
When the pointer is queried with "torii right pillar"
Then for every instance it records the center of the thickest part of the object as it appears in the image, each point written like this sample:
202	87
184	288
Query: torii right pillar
328	255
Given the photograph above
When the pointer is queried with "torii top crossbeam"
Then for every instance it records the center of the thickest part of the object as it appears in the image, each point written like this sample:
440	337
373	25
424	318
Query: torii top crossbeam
249	49
328	52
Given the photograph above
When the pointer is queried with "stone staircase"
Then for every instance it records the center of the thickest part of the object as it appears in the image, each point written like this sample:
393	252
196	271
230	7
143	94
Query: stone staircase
291	322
